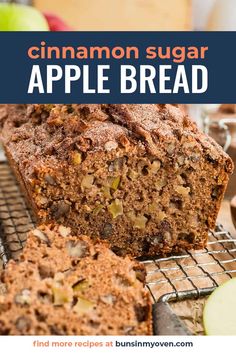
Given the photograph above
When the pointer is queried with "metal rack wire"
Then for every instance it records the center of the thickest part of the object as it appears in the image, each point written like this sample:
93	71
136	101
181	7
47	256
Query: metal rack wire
15	217
193	274
179	277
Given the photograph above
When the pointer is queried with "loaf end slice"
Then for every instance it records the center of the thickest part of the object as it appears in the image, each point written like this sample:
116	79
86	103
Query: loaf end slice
66	285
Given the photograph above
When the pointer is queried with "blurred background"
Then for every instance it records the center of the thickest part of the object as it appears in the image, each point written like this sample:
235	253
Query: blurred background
140	14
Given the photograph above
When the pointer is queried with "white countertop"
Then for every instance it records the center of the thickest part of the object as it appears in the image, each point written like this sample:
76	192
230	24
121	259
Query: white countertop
2	156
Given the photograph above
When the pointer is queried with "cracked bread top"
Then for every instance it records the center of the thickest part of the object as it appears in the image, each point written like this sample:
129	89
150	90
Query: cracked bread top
48	131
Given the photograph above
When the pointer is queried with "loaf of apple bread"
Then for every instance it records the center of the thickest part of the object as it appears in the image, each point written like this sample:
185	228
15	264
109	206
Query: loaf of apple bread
142	177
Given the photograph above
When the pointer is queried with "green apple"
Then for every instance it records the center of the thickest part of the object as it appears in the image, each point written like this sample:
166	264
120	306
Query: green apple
219	314
16	17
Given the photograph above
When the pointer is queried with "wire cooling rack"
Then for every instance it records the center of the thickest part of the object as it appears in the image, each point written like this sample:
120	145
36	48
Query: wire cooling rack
193	273
184	276
15	217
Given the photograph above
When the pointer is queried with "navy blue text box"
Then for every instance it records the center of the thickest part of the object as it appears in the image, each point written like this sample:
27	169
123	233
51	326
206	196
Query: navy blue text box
16	66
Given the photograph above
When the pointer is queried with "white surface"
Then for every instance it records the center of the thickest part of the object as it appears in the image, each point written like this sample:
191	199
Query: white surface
201	12
214	15
2	156
223	16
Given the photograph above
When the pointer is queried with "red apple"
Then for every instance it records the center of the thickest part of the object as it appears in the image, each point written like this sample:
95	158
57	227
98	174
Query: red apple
55	23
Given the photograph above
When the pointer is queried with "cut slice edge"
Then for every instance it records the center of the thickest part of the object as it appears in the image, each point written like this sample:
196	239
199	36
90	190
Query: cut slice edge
219	314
